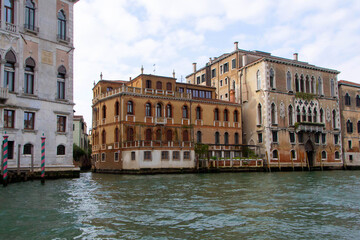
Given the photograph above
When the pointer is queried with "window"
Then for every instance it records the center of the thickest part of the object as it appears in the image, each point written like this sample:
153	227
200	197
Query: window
336	139
187	155
104	111
321	115
317	137
176	155
258	80
29	118
288	81
216	115
130	134
347	99
148	134
158	110
9	71
226	67
315	115
9	11
198	80
117	107
226	115
10	149
133	156
332	87
164	155
116	135
226	138
168	111
213	73
61	25
27	149
103	137
300	137
337	155
148	84
169	135
185	112
169	86
61	82
290	115
116	157
320	85
297	89
29	76
260	138
292	137
198	137
357	100
185	136
275	154
272	78
236	138
350	158
9	118
30	15
60	150
307	84
203	78
302	83
309	115
350	144
273	114
233	85
293	154
233	63
334	119
221	83
130	107
158	85
259	114
275	136
313	85
304	115
217	138
221	69
198	113
323	138
323	155
349	126
148	110
236	116
158	135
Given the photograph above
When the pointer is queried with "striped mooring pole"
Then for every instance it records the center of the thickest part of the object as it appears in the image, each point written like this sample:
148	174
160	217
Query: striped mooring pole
43	159
5	153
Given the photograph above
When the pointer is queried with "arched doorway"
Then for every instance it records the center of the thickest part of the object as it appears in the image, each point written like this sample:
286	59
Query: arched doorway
309	148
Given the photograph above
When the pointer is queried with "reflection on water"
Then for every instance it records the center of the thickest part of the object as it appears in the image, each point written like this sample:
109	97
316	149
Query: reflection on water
300	205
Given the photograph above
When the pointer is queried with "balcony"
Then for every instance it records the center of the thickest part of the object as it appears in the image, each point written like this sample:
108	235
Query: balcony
62	38
160	120
309	127
31	28
4	93
10	27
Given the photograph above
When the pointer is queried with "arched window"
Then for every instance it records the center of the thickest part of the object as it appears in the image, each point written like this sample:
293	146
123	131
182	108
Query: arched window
226	115
158	135
148	84
60	150
332	87
298	114
159	110
61	25
259	114
313	85
61	82
236	116
321	115
357	101
9	71
29	76
272	78
216	114
349	126
347	99
288	81
236	138
293	154
233	85
185	136
130	134
185	112
168	111
290	115
334	118
309	115
169	135
297	89
323	155
169	86
302	83
198	113
103	137
258	80
217	138
198	137
273	114
315	115
116	135
159	85
27	148
30	15
104	111
148	134
275	154
226	138
320	86
148	109
304	115
130	107
9	11
117	106
337	155
307	84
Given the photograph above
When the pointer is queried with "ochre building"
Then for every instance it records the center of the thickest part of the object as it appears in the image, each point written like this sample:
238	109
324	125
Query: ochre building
290	108
151	123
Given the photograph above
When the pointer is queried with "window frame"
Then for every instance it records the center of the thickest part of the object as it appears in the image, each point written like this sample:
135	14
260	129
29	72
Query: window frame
61	124
29	120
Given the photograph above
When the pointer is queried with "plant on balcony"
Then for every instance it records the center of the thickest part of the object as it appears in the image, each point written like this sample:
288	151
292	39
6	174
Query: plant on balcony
305	96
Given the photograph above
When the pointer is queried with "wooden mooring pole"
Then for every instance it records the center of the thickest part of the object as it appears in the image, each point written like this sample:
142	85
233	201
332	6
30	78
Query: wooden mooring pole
18	160
43	159
32	162
5	153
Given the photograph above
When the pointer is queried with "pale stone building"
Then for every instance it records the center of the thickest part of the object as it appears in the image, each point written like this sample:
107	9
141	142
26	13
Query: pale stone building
289	108
36	50
80	132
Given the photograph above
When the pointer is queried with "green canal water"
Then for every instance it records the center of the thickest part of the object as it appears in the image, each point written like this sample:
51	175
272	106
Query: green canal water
283	205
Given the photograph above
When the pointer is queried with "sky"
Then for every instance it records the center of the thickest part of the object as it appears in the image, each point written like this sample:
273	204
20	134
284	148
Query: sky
119	37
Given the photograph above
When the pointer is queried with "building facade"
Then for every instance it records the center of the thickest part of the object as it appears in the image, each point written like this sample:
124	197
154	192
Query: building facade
349	93
36	91
290	109
152	123
80	132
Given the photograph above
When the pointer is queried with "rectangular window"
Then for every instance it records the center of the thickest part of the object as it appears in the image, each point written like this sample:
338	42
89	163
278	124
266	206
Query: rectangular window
29	83
260	140
203	78
198	80
301	137
292	137
208	94
103	157
323	138
116	157
317	137
213	73
176	155
187	155
164	155
227	154
226	67
350	144
336	139
61	123
9	118
60	89
350	158
10	149
221	69
181	90
133	157
275	136
29	119
147	156
9	80
233	63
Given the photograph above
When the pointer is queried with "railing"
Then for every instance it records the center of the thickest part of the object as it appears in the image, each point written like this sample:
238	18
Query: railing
235	163
160	120
10	27
157	143
103	146
31	28
309	127
4	93
116	145
63	38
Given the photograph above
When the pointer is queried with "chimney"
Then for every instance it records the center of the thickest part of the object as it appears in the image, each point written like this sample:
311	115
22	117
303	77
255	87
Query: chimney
296	56
174	73
236	44
244	60
142	69
210	60
194	65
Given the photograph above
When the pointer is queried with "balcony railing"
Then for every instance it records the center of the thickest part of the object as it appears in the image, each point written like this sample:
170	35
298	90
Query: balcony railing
31	28
155	144
4	93
160	120
10	27
62	38
309	127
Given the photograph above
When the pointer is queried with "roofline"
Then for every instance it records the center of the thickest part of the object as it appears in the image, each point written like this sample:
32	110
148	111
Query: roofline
348	83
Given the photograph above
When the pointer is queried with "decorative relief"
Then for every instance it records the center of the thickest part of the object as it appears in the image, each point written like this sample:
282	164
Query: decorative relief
282	110
328	114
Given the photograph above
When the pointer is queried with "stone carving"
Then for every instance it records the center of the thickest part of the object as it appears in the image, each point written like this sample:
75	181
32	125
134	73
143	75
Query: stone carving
328	114
282	110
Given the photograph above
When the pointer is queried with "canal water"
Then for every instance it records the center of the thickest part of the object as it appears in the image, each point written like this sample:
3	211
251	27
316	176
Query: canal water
282	205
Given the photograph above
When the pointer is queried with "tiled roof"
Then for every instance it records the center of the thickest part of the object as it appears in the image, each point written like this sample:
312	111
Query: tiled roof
344	82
